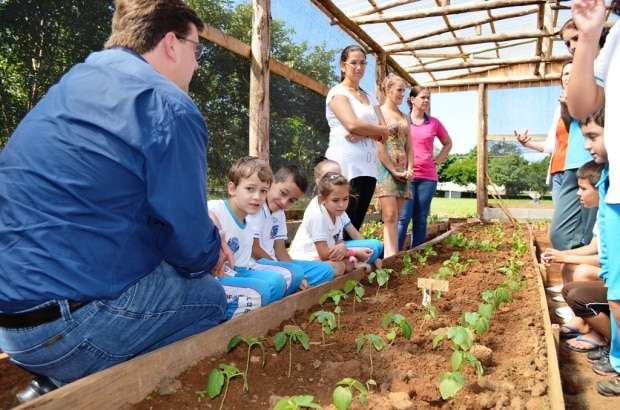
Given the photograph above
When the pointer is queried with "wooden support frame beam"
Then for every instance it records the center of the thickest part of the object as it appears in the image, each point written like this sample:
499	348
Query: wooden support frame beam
332	11
380	73
446	20
442	11
491	80
486	63
470	24
550	20
489	38
383	7
259	79
242	49
482	163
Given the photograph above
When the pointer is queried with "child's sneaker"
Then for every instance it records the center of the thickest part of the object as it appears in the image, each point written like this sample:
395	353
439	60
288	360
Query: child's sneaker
556	288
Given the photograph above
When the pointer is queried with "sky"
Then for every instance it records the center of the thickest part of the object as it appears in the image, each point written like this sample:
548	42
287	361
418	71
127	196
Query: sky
508	110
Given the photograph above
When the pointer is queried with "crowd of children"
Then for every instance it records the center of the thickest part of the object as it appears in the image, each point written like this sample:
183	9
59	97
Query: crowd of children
591	272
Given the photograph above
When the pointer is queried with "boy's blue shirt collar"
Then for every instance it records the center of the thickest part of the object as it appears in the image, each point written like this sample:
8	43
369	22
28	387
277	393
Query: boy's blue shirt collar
240	224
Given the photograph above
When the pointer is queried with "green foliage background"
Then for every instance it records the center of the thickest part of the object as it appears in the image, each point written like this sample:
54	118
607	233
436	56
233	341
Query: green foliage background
42	39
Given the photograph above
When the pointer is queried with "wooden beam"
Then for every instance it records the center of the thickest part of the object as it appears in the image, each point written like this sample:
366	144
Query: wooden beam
259	79
550	21
442	11
330	9
381	71
244	50
485	63
491	80
540	25
462	26
383	7
481	168
489	38
446	20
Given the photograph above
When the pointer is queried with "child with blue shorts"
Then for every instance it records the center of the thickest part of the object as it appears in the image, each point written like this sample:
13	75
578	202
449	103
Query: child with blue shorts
247	285
270	233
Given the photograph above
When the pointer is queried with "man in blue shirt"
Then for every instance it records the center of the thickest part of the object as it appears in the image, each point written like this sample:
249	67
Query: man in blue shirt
106	246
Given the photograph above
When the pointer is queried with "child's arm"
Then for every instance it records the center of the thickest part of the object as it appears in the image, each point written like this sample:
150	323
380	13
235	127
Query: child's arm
280	249
353	233
258	252
325	253
583	95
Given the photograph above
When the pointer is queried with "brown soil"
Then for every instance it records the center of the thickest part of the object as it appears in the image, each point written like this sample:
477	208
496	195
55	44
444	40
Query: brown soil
578	379
12	380
515	371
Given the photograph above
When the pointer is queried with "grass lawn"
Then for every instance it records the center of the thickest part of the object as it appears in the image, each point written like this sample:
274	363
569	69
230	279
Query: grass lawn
466	207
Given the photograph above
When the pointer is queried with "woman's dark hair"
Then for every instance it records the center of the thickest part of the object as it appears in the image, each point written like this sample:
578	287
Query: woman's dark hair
345	54
415	91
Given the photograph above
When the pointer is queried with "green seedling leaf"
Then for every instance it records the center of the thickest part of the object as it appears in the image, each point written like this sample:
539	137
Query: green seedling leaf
461	337
457	360
486	310
279	341
215	383
437	340
342	398
233	342
296	403
473	360
303	339
450	384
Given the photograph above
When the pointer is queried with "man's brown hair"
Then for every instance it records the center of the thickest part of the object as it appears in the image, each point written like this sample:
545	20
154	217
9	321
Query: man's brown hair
141	24
591	172
245	167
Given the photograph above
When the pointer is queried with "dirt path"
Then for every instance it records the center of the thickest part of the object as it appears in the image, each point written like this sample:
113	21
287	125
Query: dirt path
578	379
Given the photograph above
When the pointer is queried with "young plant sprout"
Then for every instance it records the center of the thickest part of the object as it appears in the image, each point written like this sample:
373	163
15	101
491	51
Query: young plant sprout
327	321
250	342
218	378
291	334
475	322
336	295
382	276
296	403
426	252
497	297
396	324
342	397
457	240
518	246
374	342
431	311
408	267
358	291
444	273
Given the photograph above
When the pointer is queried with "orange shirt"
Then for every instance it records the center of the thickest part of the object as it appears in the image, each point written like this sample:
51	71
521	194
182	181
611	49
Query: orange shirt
558	159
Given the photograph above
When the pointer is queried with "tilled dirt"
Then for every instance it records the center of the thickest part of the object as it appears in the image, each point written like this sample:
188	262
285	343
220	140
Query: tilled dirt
407	373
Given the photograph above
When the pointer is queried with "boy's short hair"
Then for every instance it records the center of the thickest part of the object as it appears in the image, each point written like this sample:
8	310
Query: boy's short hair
569	24
598	118
141	24
245	167
290	171
590	171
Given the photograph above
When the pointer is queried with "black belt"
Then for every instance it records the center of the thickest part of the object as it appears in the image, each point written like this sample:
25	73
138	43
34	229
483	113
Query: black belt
37	317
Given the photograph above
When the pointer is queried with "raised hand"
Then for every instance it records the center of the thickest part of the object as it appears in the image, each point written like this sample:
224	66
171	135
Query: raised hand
589	17
522	138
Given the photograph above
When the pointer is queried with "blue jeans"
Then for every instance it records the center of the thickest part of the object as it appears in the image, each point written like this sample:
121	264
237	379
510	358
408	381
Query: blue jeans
159	309
373	244
416	208
557	179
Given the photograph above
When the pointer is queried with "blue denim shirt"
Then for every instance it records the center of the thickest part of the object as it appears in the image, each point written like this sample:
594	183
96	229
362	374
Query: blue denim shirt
102	181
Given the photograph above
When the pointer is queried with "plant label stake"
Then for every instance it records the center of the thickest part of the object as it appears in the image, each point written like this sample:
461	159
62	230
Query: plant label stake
428	285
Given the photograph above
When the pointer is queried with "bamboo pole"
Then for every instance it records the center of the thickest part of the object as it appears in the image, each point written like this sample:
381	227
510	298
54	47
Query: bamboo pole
382	7
259	79
491	80
481	168
486	63
489	38
381	71
462	26
442	11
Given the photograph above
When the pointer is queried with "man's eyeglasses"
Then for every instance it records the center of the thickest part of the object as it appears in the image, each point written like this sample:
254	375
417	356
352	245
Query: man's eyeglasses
200	50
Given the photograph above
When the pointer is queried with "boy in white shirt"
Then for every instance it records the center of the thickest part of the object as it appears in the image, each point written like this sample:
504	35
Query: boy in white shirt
247	286
270	233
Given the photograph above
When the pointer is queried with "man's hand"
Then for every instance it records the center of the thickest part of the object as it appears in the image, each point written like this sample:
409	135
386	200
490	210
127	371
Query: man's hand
589	17
363	254
522	138
226	254
338	252
551	255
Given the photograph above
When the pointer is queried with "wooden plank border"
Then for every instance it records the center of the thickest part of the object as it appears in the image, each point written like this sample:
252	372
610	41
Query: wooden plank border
556	396
131	381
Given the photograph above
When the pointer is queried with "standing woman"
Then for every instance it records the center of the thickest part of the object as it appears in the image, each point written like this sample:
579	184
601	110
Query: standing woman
424	129
354	127
393	169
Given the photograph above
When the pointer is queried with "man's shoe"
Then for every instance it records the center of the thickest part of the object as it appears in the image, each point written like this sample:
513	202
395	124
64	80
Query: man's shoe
609	387
36	388
603	367
596	354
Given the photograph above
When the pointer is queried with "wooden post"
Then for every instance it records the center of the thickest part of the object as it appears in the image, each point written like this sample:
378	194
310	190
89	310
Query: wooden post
481	180
381	71
259	78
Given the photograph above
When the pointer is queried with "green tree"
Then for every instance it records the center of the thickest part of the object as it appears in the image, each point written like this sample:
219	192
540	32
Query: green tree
461	169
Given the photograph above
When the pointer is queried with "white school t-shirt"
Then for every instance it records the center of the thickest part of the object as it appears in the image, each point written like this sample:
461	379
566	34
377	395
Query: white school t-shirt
607	74
315	227
356	159
267	227
238	238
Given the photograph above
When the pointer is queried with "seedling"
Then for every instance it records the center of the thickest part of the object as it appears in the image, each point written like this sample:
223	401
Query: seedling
408	267
497	297
518	246
450	384
424	254
327	321
218	378
475	322
250	342
336	296
487	246
444	273
374	342
358	291
291	334
396	323
431	312
457	240
382	276
296	403
372	230
343	393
